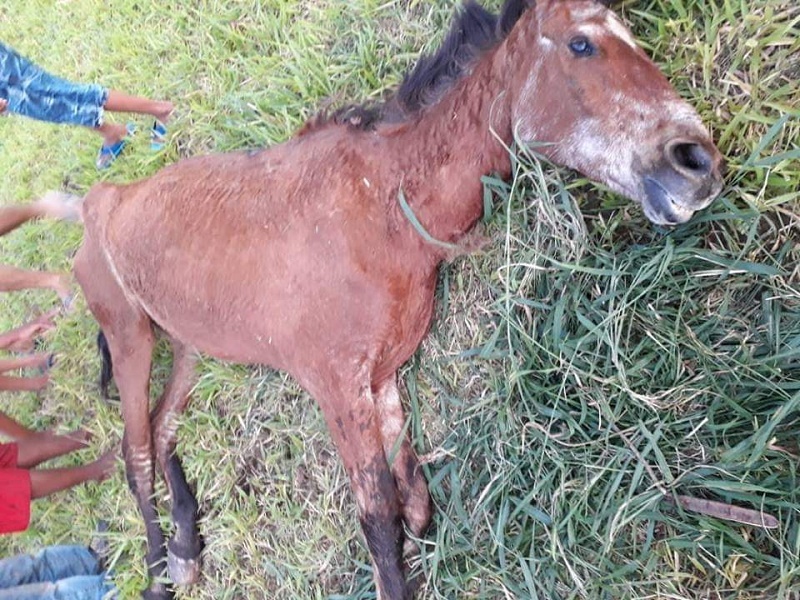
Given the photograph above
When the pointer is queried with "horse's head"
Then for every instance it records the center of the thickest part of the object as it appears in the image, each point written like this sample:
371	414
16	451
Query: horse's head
601	106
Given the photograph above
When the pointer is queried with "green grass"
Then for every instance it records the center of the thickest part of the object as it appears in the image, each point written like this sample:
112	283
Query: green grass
580	368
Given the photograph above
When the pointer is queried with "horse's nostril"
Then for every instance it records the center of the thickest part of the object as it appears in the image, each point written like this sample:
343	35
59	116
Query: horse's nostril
690	156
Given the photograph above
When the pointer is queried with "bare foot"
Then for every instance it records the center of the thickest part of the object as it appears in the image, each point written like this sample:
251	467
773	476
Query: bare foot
112	133
80	437
62	285
60	444
45	321
60	205
165	111
27	333
39	383
104	466
43	361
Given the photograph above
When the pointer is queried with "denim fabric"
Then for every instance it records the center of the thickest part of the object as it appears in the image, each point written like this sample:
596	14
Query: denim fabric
56	573
33	92
83	587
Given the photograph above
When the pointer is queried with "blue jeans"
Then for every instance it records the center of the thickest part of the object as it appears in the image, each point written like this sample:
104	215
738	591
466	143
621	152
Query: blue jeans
56	573
33	92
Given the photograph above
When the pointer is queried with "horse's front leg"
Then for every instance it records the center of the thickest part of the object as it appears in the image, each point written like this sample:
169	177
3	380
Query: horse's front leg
183	550
352	419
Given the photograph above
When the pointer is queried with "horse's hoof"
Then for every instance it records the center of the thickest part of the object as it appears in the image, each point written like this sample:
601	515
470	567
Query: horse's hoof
183	571
157	591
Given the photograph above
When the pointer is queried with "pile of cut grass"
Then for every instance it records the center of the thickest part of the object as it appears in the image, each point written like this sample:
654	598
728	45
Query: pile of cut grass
585	370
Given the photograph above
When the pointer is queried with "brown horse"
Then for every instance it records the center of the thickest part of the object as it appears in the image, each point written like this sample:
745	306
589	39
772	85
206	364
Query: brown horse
304	257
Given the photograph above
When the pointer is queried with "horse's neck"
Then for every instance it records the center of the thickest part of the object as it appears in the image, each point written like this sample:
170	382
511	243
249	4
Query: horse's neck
464	136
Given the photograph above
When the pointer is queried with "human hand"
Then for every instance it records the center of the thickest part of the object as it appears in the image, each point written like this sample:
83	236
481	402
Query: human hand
3	105
27	333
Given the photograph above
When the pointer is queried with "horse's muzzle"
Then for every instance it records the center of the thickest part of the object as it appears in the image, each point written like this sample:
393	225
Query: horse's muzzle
686	179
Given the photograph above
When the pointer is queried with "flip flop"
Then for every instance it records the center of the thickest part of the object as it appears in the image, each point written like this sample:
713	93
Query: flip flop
108	154
158	136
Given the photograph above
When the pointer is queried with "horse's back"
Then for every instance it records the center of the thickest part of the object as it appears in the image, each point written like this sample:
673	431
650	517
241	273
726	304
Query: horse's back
255	257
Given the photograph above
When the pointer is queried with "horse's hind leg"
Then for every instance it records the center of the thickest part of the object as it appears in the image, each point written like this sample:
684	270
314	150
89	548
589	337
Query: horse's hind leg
415	499
183	556
130	340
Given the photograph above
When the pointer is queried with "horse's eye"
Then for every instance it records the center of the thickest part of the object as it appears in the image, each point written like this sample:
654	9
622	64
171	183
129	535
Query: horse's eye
581	46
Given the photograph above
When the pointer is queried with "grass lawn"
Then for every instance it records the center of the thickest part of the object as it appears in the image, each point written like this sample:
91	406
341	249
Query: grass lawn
585	373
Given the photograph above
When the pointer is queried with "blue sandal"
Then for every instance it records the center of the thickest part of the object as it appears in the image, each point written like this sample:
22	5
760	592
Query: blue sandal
108	154
158	136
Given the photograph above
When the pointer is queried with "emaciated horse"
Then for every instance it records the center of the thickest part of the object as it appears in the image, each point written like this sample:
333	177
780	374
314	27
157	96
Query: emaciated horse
301	257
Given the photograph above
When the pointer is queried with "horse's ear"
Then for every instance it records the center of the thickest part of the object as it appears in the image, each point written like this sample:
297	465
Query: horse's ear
510	13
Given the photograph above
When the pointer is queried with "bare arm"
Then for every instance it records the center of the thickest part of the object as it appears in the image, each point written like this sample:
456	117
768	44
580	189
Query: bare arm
48	481
10	428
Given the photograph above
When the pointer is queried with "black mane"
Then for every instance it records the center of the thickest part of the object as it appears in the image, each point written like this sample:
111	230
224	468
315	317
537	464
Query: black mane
473	32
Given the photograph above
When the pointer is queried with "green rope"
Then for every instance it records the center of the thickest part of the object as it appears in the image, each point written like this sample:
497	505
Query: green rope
418	226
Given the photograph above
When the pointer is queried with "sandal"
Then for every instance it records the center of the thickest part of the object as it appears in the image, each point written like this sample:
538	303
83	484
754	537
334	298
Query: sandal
158	136
108	154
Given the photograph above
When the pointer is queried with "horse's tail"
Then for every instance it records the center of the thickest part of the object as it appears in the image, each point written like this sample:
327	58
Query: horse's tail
106	372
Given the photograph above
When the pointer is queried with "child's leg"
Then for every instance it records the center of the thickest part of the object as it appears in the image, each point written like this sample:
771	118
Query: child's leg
41	360
56	205
23	384
13	279
111	132
51	564
48	481
38	94
61	206
41	95
39	446
119	102
10	428
82	587
14	215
